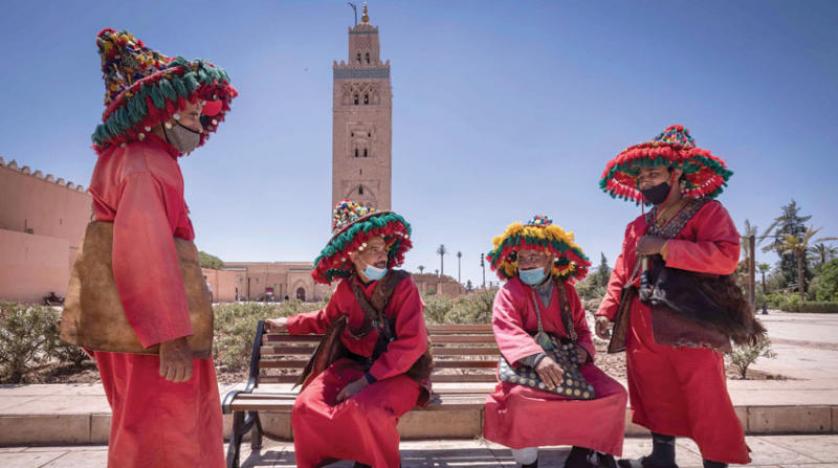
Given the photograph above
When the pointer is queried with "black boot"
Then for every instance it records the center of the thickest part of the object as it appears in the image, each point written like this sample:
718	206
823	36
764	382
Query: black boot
578	458
360	465
712	464
581	457
531	465
663	454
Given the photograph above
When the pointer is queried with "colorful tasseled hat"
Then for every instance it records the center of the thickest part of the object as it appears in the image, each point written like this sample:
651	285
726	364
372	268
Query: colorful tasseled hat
538	234
353	224
705	175
144	88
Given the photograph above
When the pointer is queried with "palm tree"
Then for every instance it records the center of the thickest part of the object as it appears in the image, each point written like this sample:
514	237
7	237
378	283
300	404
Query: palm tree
459	258
763	269
823	252
799	246
441	251
483	267
421	269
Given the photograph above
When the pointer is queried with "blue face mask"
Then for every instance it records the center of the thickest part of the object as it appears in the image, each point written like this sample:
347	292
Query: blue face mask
533	276
374	274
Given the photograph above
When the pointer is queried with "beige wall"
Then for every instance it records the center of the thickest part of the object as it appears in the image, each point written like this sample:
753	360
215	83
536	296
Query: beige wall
31	266
226	285
443	286
42	220
43	205
286	278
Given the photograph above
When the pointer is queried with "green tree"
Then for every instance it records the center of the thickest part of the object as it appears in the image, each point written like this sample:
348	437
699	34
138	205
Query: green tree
798	247
823	253
826	283
763	269
603	272
209	261
789	223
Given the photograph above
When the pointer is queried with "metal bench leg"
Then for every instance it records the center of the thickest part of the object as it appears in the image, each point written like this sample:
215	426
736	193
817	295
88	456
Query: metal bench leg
256	432
234	449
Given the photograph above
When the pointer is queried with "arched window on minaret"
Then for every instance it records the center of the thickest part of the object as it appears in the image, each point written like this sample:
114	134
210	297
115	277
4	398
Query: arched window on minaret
366	98
360	190
365	152
368	57
356	98
356	152
359	57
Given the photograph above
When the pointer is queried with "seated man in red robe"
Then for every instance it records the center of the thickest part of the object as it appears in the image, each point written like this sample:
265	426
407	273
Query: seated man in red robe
166	408
537	307
351	409
676	373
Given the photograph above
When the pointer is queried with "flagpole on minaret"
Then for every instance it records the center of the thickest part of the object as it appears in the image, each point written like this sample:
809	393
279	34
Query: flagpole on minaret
354	10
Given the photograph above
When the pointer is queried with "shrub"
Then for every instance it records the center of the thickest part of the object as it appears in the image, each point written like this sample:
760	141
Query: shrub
26	333
235	328
817	307
743	356
472	308
790	302
825	285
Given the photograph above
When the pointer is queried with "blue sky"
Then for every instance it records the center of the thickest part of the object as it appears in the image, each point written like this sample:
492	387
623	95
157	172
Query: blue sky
500	109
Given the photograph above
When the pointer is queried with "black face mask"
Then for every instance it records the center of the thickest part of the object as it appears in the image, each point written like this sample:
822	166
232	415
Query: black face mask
657	194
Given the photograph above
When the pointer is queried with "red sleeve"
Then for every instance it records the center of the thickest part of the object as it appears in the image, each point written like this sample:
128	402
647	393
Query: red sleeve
319	321
513	341
146	268
411	334
580	322
619	276
716	246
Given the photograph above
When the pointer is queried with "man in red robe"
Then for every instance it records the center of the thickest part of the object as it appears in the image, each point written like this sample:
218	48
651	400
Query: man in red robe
165	409
351	409
675	390
539	261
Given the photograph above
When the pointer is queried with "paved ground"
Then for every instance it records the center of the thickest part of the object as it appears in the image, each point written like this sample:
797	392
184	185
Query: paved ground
806	345
774	451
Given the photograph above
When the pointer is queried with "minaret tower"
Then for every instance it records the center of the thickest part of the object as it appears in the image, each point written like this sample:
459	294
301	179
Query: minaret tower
362	121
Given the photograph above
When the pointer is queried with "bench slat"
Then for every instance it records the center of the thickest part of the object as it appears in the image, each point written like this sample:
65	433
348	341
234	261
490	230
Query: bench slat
439	350
475	401
436	378
440	364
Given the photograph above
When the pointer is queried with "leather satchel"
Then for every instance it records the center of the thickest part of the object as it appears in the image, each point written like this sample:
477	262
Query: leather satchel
329	350
617	343
93	315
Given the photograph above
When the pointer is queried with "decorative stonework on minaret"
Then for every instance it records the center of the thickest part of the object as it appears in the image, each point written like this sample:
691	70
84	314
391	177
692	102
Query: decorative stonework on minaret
362	121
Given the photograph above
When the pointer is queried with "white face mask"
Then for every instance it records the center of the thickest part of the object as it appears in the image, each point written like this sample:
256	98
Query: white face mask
183	138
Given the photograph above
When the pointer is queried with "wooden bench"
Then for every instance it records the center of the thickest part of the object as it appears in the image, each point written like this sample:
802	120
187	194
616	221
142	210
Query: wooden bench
465	359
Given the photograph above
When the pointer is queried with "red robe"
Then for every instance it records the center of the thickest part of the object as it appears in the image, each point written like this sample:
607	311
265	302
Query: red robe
518	416
155	423
675	390
362	428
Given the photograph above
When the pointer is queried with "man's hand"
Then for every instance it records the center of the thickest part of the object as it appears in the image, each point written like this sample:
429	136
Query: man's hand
277	325
603	327
176	360
650	245
351	389
550	372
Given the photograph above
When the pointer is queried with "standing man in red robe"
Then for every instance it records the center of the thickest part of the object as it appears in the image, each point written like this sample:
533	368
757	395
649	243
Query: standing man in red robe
539	262
165	409
351	409
676	388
